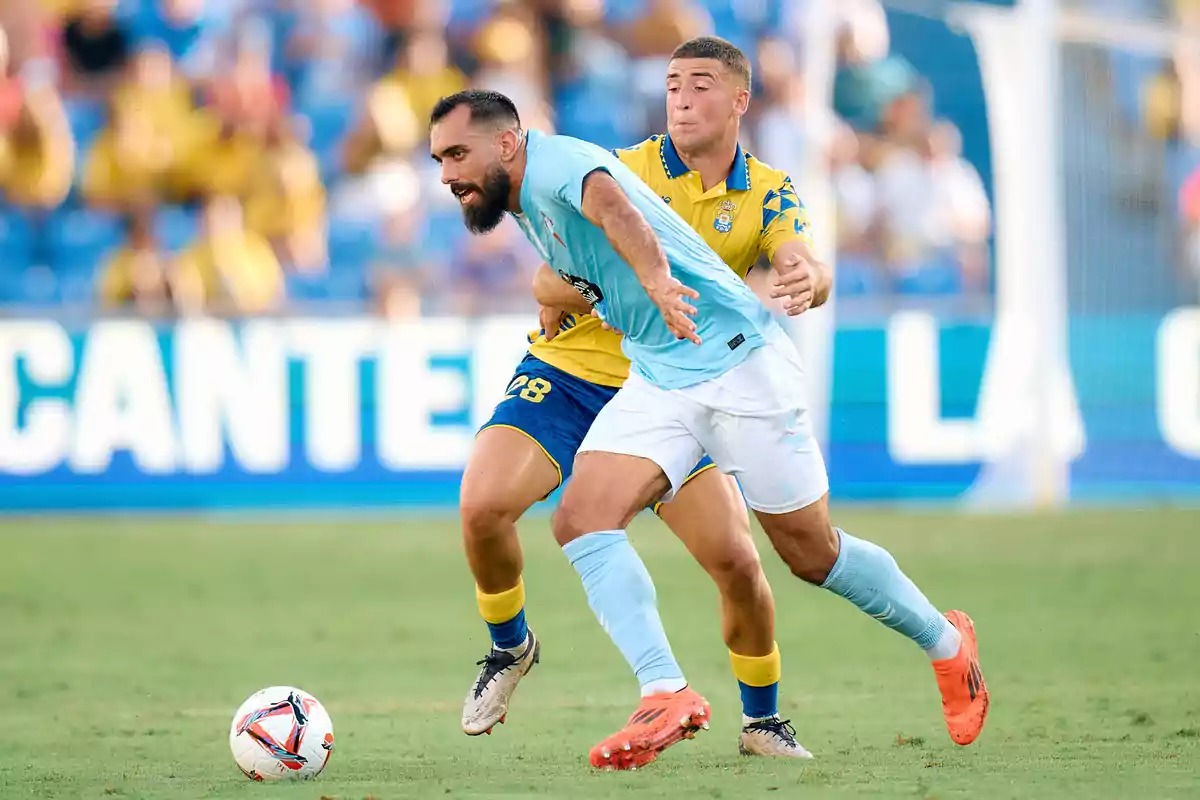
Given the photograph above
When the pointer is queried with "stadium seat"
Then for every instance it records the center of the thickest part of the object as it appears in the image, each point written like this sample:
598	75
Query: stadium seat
352	243
941	277
282	25
739	22
443	231
589	111
331	74
347	285
303	288
16	258
623	12
858	276
77	286
330	121
175	227
86	118
77	240
468	13
16	241
34	286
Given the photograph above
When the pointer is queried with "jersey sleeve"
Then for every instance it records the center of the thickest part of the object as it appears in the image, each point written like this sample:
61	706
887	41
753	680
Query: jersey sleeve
635	158
560	169
783	218
628	156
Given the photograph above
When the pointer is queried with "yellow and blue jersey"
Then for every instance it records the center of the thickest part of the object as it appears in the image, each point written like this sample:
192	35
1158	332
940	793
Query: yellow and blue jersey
748	215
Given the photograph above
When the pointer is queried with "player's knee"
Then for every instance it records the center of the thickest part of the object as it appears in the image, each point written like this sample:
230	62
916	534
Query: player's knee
484	518
578	515
570	521
809	569
811	552
738	574
812	566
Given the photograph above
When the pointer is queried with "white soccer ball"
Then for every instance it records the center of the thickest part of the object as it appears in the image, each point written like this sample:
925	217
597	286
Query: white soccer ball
281	733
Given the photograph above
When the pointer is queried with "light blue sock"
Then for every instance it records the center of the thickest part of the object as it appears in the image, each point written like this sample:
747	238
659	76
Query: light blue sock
622	597
868	576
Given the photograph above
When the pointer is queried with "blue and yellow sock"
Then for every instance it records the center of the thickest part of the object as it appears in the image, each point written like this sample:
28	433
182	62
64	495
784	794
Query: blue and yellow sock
504	614
868	576
622	596
758	678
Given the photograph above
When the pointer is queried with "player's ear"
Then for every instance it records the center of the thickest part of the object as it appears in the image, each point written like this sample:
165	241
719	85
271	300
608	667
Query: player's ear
510	143
741	101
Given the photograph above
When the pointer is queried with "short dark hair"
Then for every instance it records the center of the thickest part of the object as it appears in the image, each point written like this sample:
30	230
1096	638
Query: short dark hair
719	49
486	107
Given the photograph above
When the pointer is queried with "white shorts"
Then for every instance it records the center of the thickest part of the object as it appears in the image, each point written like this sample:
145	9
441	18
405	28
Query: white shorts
753	422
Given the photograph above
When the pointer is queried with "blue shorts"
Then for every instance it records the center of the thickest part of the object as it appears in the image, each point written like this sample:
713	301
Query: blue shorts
555	410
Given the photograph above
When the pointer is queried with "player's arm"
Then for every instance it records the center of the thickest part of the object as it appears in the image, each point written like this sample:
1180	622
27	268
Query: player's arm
553	292
605	205
800	276
556	299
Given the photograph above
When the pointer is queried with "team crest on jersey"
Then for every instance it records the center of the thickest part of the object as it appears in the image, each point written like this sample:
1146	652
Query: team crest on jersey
724	221
665	199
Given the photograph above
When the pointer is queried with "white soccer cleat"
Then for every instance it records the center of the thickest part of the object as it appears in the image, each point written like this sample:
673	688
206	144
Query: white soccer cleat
487	702
771	737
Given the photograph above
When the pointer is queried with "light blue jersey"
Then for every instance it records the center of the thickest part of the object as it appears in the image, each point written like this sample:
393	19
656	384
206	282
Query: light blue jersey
730	319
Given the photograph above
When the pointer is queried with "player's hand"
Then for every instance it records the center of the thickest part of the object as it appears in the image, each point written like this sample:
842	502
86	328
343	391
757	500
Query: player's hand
604	323
550	319
797	281
672	301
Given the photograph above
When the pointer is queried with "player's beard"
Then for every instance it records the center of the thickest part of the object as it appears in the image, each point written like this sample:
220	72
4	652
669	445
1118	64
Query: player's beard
491	201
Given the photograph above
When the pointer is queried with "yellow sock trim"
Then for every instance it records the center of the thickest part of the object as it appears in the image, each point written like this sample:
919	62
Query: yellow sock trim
757	670
497	608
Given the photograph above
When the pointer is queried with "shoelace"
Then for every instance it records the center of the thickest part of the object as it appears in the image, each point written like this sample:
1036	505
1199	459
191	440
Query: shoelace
781	728
493	664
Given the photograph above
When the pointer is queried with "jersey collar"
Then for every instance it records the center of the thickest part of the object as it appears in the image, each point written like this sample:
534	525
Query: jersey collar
533	140
739	176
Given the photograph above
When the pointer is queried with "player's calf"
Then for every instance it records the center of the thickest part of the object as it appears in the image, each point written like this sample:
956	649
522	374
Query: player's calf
506	474
869	577
709	517
861	572
491	543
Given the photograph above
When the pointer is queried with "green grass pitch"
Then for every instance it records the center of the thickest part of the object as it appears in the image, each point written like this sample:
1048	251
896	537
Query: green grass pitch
126	645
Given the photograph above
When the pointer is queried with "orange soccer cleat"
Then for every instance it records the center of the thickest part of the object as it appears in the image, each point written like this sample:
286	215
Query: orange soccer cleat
660	721
964	693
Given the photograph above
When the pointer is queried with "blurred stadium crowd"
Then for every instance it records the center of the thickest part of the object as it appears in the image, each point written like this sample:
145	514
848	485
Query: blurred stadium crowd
243	156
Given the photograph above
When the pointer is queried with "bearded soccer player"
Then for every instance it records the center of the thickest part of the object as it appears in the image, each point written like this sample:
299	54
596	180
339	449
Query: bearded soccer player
735	392
527	449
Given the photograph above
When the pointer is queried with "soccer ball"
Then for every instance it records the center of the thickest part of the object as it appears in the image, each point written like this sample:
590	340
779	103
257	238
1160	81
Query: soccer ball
281	733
